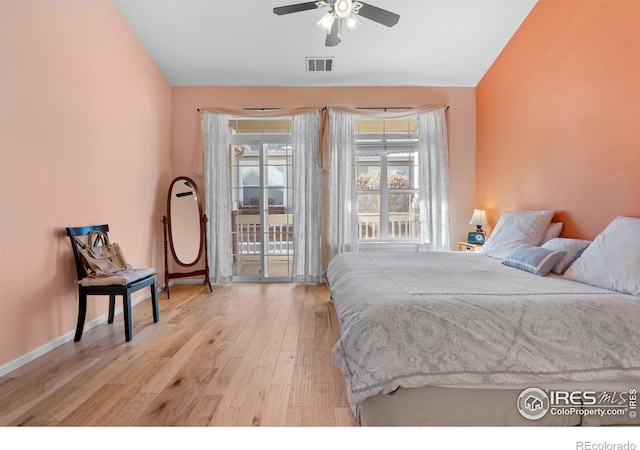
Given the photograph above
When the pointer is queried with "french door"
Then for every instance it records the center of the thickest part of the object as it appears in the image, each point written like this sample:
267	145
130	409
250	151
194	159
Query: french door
262	206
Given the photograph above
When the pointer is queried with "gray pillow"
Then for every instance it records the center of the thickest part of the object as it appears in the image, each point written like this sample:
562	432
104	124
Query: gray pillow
536	260
572	247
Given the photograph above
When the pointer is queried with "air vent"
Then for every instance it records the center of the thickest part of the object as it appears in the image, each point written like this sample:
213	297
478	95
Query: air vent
319	64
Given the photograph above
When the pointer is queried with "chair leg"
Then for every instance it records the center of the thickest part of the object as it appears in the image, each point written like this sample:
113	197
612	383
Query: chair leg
126	307
82	314
112	308
154	303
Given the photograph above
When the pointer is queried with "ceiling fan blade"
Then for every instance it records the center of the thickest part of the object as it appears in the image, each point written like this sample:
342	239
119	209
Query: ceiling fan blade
378	14
298	7
333	38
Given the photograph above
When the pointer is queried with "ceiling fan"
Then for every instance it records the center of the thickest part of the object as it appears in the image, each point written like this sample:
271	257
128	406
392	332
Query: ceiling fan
341	12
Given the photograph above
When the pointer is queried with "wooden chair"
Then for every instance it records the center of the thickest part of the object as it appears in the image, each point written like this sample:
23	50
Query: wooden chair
122	283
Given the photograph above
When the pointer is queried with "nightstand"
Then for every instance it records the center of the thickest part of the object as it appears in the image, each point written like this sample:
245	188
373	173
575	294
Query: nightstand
466	247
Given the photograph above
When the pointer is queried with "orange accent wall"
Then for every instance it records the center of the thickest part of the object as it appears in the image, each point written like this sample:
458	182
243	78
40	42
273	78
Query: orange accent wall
558	117
84	139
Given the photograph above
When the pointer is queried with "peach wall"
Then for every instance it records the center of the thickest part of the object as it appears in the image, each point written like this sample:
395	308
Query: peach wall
558	116
186	150
84	129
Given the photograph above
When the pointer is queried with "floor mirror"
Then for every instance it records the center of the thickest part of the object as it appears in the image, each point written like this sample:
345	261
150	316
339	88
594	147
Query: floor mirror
185	232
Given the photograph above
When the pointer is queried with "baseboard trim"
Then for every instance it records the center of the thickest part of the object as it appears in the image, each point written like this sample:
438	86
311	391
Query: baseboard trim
34	354
186	281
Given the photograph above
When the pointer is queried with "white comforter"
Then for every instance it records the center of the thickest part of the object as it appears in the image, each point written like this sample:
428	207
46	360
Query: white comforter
461	318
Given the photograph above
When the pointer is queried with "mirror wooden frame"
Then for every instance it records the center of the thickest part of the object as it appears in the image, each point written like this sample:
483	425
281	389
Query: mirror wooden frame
169	246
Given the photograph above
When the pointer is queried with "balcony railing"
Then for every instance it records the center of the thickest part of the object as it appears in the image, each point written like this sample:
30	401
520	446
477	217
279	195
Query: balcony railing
401	226
248	236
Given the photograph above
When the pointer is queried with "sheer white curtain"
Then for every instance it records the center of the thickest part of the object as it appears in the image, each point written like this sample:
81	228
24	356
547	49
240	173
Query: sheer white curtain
433	156
342	220
218	195
434	177
307	259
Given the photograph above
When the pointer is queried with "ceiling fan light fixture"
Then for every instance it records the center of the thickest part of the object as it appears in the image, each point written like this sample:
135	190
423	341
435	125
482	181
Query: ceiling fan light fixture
326	22
342	14
343	8
352	23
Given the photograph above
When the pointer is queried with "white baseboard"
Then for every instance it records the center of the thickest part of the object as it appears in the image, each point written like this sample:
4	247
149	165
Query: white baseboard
28	357
186	281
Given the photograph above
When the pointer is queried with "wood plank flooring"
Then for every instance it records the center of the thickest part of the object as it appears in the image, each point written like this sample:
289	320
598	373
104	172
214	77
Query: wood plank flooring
244	355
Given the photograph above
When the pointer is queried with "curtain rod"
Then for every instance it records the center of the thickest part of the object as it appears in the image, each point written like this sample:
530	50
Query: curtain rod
247	109
385	108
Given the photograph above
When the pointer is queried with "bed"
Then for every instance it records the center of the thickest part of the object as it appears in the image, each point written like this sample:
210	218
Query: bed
462	339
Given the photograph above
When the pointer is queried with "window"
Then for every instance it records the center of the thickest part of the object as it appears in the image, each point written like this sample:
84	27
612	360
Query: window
249	174
387	181
414	148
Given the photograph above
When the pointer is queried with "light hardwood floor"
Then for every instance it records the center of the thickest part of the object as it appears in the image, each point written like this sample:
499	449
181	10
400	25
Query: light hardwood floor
244	355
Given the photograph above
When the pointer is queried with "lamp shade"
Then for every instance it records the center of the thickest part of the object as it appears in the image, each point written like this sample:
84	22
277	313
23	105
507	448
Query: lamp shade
352	23
479	217
326	22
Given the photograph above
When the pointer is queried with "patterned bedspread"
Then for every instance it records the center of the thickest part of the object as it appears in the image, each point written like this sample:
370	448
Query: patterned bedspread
462	318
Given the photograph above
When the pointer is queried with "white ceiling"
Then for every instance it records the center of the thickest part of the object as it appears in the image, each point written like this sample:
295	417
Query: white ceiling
243	43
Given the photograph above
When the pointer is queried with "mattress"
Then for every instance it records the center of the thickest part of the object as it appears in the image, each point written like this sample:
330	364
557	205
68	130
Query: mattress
462	319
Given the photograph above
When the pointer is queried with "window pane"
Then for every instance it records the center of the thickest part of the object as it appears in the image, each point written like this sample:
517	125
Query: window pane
398	178
249	175
404	218
369	181
242	126
257	126
367	157
369	126
368	216
401	126
403	170
389	126
403	227
400	203
276	176
278	151
251	151
276	199
369	203
277	126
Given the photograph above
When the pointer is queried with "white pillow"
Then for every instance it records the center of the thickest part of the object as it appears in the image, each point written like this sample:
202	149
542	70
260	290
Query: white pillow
612	261
553	231
517	228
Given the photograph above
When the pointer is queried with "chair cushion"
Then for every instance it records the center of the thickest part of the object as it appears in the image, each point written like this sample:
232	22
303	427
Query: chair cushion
121	278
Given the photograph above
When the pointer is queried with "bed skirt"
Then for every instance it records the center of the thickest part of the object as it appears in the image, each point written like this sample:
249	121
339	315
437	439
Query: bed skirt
478	406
